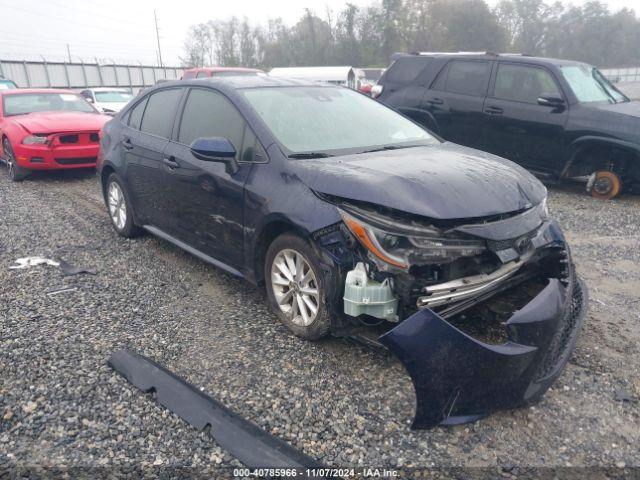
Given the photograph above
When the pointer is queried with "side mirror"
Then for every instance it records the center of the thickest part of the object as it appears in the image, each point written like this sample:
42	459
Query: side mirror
89	99
550	100
215	149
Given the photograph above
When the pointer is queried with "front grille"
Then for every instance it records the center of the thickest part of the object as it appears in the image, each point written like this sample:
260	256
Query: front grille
568	327
69	138
497	245
94	137
76	160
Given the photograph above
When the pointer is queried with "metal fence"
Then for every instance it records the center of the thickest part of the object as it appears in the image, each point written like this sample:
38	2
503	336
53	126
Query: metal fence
43	74
622	75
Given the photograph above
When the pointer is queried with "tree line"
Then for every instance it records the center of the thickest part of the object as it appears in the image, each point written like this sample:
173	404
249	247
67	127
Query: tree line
367	36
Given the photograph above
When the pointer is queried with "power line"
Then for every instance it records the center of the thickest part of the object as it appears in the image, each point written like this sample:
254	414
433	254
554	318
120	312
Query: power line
62	19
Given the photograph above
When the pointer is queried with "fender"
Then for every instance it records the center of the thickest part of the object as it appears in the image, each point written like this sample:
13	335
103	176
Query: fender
581	142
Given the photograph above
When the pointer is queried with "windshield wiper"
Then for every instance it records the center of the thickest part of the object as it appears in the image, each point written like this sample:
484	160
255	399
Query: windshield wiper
306	155
386	147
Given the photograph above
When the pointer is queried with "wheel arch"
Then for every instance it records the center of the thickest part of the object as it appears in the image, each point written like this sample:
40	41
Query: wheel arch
105	171
580	147
271	230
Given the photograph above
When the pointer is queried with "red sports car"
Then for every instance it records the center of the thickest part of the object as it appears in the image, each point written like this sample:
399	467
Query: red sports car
46	129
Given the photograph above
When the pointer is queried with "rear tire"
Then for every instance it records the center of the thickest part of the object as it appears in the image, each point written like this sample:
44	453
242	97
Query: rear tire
605	185
16	172
296	287
119	208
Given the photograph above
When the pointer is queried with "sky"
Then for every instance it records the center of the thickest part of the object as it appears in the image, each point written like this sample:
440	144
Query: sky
124	30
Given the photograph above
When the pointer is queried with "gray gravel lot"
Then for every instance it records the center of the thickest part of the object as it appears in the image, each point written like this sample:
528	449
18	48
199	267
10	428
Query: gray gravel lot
61	405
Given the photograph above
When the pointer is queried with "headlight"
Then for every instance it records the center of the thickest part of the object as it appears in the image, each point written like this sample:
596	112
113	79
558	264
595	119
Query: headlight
545	209
401	250
35	140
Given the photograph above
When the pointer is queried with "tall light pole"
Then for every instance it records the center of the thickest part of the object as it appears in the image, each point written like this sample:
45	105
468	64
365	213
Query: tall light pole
155	17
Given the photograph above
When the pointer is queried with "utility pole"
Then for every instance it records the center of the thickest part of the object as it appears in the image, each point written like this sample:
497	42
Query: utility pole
155	17
69	52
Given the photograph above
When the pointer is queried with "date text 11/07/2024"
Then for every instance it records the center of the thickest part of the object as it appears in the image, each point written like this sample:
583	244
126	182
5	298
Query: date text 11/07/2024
365	472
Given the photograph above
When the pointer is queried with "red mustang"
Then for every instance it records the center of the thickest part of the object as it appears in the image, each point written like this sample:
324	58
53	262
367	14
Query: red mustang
46	129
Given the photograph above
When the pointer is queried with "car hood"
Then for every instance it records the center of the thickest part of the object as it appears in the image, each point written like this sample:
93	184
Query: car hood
113	106
57	122
444	181
631	109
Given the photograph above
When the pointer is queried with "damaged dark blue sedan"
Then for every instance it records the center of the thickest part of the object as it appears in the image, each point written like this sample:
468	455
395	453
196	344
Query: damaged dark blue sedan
359	223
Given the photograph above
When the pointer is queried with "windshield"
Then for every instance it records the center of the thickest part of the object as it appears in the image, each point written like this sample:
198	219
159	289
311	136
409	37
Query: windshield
114	96
20	104
589	85
321	119
7	84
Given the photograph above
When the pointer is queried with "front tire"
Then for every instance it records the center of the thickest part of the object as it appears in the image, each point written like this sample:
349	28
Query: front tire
296	287
120	209
15	171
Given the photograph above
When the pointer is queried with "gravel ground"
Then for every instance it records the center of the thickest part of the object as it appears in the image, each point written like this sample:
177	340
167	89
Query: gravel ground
62	406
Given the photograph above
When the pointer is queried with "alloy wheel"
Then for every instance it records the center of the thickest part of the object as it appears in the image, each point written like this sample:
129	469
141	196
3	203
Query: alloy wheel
8	158
295	287
117	205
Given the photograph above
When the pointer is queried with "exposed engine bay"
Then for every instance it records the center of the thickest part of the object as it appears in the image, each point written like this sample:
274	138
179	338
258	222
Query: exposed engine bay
470	280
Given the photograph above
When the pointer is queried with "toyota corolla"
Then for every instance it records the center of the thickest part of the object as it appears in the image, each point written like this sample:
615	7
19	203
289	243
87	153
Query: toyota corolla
359	223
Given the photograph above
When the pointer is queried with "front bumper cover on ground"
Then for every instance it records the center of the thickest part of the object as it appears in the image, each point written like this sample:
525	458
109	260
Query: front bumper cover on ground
459	379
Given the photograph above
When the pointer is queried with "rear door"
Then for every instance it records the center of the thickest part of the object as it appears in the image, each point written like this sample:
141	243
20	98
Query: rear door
206	197
456	99
144	140
516	126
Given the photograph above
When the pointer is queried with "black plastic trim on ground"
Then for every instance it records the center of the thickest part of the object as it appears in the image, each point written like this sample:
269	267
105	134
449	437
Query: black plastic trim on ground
251	445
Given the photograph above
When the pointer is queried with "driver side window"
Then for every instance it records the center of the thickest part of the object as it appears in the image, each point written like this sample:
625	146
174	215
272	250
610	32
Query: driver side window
520	83
209	114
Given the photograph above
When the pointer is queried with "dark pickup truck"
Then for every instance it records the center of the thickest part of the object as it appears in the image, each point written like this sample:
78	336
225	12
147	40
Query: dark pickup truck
558	118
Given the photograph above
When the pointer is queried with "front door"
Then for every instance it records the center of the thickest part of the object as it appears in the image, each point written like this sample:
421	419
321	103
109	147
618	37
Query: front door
516	126
207	197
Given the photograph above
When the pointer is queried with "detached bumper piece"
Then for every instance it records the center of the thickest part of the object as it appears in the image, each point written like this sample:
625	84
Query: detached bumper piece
459	379
251	445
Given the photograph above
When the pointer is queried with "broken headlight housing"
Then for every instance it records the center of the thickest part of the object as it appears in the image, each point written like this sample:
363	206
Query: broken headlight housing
408	246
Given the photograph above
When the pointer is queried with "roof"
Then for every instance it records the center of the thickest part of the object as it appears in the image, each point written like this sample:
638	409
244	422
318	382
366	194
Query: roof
108	89
512	57
222	69
240	82
320	74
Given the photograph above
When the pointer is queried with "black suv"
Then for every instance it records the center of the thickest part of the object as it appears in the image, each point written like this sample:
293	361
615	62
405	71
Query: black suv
560	119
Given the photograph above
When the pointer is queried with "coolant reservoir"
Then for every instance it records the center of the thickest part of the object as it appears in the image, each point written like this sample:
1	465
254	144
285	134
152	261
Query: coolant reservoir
365	296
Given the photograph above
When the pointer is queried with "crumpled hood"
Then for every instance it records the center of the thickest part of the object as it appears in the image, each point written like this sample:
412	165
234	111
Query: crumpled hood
58	122
444	181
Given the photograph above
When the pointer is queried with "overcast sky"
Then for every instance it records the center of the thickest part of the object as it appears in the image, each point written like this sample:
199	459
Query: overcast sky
124	29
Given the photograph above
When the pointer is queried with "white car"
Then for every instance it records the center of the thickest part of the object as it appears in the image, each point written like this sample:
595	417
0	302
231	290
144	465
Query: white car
107	100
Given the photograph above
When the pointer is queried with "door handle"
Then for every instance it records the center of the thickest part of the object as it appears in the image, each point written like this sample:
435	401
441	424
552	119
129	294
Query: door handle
171	162
435	101
126	143
493	110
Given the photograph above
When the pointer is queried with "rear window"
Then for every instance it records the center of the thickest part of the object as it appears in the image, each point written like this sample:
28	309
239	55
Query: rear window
465	77
406	69
160	112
